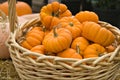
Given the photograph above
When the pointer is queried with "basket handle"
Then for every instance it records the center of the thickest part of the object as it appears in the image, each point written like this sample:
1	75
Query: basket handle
13	22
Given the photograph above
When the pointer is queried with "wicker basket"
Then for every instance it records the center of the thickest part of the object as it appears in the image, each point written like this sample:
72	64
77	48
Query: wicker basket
56	68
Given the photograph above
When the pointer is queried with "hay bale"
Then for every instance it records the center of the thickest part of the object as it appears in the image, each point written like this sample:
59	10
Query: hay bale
7	70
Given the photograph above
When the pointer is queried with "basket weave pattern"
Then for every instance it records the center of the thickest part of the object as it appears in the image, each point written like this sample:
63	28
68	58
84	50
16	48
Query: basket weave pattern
51	67
56	68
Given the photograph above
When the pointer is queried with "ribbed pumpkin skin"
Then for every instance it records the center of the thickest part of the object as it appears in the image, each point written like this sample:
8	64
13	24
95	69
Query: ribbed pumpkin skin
52	13
93	50
73	25
81	42
57	43
22	8
83	16
39	48
33	38
69	53
94	32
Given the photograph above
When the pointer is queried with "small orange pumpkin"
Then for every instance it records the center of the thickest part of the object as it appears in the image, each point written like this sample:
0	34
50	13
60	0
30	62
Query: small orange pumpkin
83	16
33	37
71	24
81	42
98	34
22	8
93	50
39	49
51	14
70	53
110	48
57	40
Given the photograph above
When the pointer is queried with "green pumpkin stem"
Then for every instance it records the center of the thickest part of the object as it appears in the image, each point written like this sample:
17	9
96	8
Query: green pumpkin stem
44	29
54	32
56	14
77	49
71	24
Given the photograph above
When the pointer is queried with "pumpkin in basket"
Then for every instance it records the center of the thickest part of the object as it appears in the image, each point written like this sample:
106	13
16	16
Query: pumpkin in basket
110	48
98	34
71	24
22	8
57	40
93	50
82	42
83	16
39	49
33	37
70	53
51	14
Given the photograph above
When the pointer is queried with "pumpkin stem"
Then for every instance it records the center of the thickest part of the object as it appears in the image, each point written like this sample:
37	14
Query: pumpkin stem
43	28
77	49
71	23
56	14
54	32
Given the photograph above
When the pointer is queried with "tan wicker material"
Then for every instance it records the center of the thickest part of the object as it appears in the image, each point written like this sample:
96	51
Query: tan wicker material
30	16
46	67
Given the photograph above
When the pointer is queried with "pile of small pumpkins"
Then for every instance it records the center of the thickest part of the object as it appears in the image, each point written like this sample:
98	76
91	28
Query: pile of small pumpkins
64	35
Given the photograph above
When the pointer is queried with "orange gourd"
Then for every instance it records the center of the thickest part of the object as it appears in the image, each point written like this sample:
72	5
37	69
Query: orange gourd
71	24
52	13
33	37
98	34
70	53
83	16
57	40
93	50
81	42
22	8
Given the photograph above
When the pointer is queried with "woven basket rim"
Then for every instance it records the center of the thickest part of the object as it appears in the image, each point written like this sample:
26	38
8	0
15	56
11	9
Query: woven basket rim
96	59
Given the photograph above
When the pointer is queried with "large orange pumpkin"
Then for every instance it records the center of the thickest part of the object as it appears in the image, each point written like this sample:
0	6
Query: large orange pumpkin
57	40
33	38
98	34
83	16
51	14
71	24
22	8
